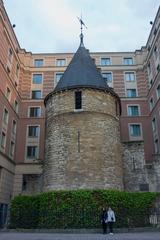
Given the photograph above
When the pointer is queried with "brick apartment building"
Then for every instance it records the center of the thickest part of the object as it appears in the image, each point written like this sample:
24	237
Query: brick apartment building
26	79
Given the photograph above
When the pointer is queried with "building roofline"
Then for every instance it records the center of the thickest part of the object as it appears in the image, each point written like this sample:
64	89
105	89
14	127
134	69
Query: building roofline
156	17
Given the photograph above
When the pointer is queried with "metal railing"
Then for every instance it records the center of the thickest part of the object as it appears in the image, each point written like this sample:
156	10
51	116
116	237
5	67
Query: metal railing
82	218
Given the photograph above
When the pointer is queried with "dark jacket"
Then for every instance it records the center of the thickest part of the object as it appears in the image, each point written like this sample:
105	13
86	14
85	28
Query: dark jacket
104	216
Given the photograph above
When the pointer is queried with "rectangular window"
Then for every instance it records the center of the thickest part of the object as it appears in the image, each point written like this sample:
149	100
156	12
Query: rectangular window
135	130
78	100
151	103
61	62
5	116
3	140
158	91
16	106
133	111
58	77
38	63
131	93
37	79
156	145
12	147
129	76
154	124
33	131
8	94
17	70
32	152
34	111
10	55
36	94
14	127
155	52
128	61
105	61
107	76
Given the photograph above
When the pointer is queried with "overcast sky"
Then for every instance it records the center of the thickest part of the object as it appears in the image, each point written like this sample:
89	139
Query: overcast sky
52	25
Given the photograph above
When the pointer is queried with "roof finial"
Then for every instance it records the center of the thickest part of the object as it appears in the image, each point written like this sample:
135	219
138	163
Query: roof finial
81	35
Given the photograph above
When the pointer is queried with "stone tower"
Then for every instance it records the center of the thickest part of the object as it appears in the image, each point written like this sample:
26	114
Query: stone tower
82	148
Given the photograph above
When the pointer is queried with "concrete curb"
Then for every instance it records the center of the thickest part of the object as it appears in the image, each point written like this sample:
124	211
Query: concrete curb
82	231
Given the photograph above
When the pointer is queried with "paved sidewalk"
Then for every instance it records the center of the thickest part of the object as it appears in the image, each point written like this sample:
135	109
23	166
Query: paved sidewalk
55	236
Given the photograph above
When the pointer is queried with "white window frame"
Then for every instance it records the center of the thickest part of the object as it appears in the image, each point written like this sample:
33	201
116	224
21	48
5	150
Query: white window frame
38	59
6	123
14	129
33	137
10	56
154	124
131	89
156	147
33	90
158	91
3	147
59	62
55	80
32	158
151	105
105	58
37	73
126	58
135	138
29	107
133	105
12	150
8	97
130	72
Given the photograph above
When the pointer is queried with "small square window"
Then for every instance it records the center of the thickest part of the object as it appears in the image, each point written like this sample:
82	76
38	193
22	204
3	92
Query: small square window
38	63
61	62
107	76
33	131
133	111
37	79
105	61
135	130
36	94
128	61
131	93
32	152
34	111
130	76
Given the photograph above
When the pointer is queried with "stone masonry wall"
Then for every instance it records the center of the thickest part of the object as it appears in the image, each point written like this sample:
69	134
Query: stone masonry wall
135	175
82	147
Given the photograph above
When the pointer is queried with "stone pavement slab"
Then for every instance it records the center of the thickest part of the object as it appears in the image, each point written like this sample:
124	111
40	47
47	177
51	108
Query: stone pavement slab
55	236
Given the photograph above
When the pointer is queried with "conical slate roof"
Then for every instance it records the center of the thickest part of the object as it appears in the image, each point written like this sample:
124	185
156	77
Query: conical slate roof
81	73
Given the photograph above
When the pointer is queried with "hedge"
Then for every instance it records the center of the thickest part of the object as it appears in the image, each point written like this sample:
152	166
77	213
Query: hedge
80	209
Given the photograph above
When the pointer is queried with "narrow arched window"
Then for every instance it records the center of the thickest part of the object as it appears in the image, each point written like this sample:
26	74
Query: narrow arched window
78	100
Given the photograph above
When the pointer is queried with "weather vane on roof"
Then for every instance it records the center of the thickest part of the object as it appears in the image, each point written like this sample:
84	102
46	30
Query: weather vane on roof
82	24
